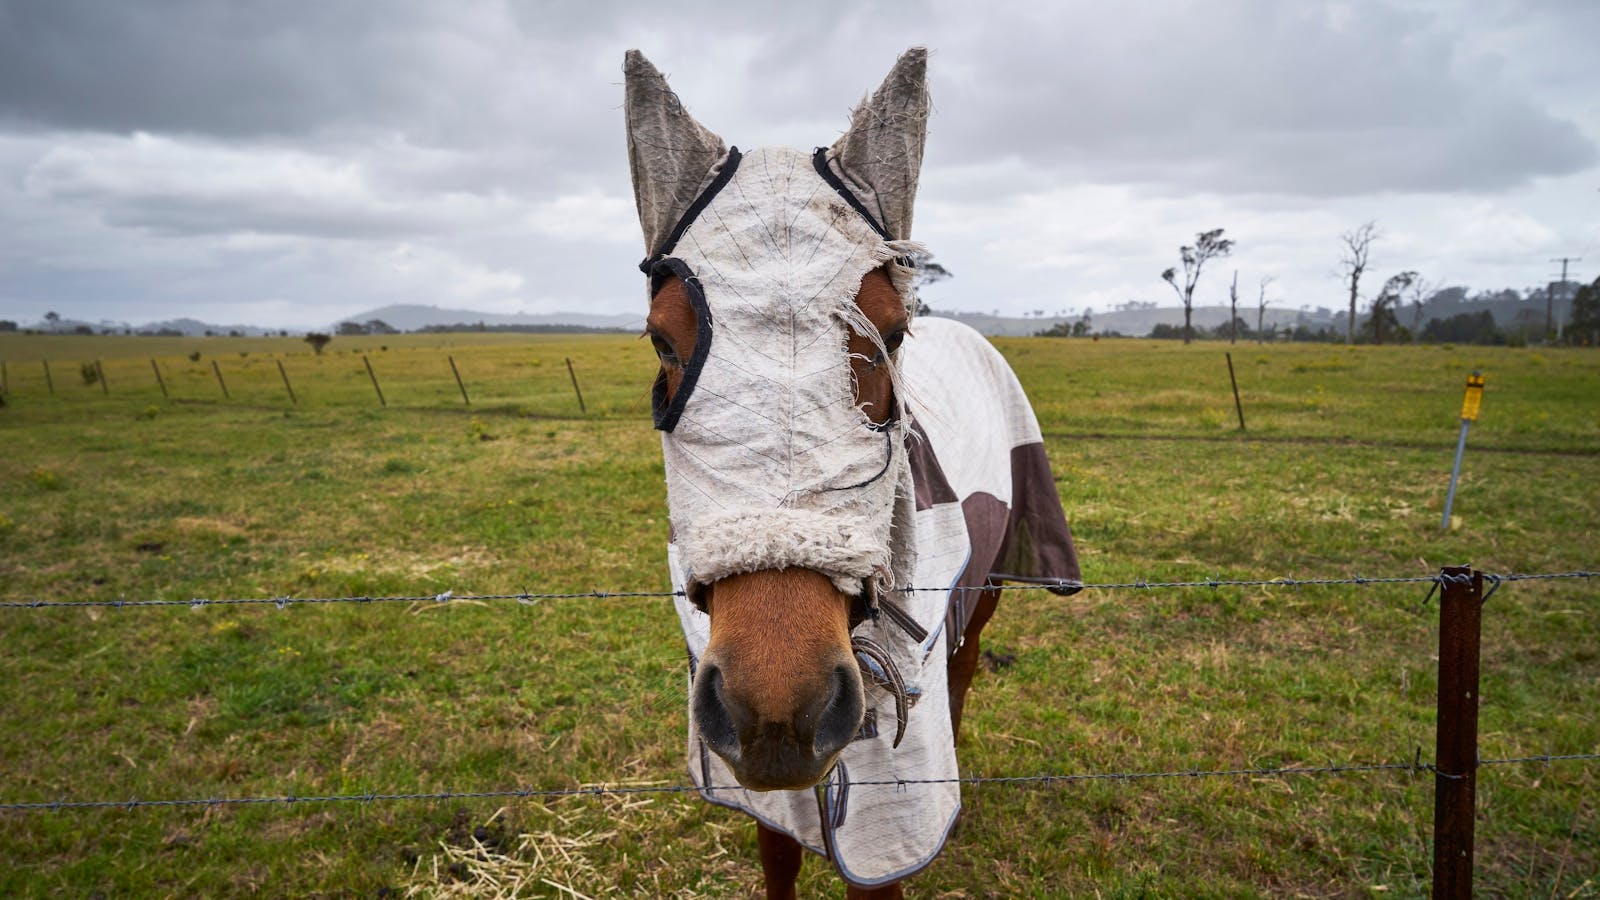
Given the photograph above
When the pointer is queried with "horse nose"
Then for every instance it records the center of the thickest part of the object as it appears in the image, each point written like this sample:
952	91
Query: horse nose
716	721
840	718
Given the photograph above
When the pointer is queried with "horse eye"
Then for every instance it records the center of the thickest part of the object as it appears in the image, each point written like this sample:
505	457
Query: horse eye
891	341
664	351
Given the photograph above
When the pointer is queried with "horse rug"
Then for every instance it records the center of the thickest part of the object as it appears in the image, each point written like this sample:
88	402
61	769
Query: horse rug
982	508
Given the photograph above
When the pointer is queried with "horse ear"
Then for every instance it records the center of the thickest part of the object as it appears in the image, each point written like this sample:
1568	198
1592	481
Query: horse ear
669	152
882	150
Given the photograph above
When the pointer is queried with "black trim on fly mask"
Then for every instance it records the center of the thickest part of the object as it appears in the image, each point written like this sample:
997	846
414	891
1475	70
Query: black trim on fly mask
819	161
729	165
666	412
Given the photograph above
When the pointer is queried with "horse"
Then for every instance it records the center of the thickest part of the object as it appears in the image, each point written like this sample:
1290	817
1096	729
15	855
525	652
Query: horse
847	484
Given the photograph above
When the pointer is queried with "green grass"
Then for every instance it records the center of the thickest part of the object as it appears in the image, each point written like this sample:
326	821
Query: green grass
1343	471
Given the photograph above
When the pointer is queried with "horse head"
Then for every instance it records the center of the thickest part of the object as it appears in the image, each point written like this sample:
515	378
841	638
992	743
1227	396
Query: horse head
779	293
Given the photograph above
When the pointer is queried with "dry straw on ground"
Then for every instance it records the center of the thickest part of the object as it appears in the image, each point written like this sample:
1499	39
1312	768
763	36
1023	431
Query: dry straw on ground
555	859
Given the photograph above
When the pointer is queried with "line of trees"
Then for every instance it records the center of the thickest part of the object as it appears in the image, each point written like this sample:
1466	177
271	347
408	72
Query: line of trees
1209	245
1585	325
1491	317
1383	315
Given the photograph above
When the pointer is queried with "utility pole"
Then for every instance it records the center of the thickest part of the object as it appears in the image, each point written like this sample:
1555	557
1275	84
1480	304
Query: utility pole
1550	294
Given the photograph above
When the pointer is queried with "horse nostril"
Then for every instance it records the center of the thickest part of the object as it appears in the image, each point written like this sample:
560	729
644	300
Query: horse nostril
841	718
711	714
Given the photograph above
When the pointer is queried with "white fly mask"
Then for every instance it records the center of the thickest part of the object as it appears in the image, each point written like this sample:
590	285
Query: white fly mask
769	461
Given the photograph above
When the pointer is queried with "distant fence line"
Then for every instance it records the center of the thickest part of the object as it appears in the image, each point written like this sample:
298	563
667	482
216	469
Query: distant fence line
526	597
94	374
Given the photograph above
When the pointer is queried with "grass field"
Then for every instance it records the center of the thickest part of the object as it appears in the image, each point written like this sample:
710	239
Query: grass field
1343	471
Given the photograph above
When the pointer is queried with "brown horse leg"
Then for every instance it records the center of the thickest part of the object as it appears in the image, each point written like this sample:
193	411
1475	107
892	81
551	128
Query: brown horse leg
780	862
965	662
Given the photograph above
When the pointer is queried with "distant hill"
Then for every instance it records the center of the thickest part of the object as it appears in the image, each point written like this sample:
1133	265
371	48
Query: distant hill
194	327
413	317
185	327
1511	310
401	317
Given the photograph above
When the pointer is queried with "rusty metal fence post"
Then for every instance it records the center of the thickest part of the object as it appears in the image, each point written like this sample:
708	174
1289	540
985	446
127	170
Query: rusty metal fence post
1456	740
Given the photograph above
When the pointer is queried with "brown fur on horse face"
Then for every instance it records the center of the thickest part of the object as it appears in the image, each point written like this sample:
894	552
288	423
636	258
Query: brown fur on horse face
671	328
883	306
778	694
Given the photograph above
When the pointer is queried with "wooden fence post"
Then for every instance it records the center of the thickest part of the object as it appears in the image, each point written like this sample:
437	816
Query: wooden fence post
216	369
48	381
1455	758
374	376
575	388
100	373
159	380
292	398
1237	406
464	398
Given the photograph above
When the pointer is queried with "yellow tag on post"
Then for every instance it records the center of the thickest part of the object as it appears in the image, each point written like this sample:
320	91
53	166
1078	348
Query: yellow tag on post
1469	404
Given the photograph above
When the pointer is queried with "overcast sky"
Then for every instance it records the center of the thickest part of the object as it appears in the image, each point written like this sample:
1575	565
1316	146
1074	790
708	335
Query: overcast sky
292	163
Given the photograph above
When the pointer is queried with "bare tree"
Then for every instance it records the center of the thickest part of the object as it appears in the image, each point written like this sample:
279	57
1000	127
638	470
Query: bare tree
1353	261
1261	307
1383	307
1233	309
1208	244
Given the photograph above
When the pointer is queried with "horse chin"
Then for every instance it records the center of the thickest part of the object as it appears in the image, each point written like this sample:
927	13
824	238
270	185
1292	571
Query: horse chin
778	768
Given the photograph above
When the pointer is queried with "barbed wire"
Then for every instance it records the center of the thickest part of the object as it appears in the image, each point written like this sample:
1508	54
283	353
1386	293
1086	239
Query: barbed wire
602	790
285	602
530	598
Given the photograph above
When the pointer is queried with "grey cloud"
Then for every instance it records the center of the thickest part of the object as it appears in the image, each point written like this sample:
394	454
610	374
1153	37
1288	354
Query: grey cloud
487	136
1256	97
316	75
1244	96
248	70
195	188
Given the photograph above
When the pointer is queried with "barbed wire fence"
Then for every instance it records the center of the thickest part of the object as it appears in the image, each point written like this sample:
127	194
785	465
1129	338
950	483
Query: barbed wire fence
528	597
1454	767
616	790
